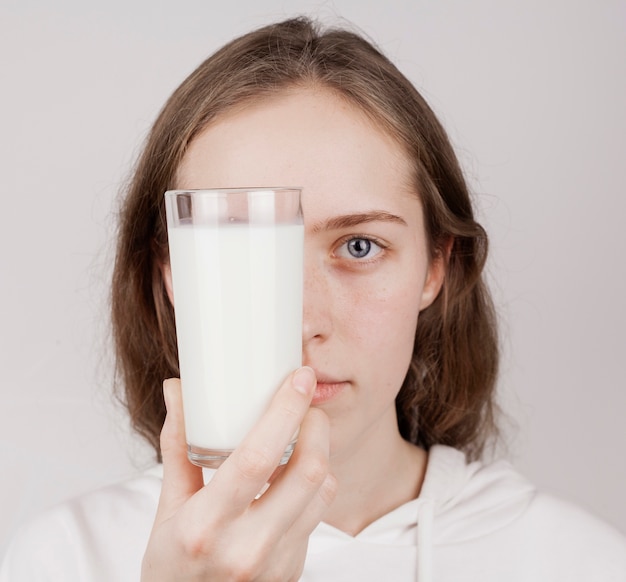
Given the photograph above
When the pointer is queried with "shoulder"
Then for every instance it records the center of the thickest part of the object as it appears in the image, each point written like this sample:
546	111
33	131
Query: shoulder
559	528
491	512
97	536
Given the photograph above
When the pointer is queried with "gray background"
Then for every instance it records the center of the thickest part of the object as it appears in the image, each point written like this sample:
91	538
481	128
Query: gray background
533	96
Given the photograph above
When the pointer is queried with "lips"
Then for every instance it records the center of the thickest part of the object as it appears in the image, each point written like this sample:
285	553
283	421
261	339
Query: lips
327	388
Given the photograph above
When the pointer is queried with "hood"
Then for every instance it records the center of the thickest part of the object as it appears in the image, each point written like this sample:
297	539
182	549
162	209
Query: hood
471	500
459	501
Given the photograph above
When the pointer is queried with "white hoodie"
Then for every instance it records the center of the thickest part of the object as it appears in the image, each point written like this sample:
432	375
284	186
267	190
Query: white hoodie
471	522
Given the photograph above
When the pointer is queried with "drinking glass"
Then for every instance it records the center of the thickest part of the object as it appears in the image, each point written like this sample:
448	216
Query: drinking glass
236	263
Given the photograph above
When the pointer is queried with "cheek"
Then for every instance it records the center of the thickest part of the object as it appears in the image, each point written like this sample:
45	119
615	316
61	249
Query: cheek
382	321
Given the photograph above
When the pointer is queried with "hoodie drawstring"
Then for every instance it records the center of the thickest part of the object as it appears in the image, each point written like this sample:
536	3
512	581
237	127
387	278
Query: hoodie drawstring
425	518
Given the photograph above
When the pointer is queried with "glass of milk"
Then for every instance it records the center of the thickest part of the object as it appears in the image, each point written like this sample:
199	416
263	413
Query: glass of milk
236	261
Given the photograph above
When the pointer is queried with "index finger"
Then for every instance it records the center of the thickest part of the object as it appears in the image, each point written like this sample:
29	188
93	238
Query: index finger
242	476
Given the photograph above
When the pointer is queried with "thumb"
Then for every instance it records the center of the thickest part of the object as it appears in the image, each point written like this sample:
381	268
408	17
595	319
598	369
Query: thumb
181	479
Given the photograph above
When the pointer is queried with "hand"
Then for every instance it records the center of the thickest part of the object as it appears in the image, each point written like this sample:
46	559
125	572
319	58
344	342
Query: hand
220	531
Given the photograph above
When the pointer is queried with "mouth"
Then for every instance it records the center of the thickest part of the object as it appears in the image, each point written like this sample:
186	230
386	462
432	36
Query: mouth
327	389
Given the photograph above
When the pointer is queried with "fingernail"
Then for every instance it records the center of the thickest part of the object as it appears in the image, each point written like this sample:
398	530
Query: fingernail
304	380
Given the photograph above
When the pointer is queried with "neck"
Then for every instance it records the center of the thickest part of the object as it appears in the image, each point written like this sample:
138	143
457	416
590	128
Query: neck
375	476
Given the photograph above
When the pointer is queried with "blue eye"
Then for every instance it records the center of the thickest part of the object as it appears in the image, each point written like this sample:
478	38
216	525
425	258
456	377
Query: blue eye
359	248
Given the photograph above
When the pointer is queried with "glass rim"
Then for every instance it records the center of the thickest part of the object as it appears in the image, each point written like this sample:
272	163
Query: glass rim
237	190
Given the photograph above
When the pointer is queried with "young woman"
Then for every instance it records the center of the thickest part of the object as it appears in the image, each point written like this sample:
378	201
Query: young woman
395	400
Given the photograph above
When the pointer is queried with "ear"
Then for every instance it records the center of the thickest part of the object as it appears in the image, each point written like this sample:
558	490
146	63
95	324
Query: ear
166	275
436	274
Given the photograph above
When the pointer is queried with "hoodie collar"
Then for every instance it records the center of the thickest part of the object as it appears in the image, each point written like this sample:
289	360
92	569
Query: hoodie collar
467	500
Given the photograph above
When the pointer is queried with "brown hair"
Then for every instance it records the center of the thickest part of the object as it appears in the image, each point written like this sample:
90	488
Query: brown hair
448	394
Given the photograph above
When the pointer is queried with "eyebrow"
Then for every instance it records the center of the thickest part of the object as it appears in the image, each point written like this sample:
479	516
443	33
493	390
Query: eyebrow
349	220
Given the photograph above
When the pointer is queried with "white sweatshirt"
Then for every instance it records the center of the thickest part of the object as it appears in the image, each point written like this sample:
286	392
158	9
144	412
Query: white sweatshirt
471	522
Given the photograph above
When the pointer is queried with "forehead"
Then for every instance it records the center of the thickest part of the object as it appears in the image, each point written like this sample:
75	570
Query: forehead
308	138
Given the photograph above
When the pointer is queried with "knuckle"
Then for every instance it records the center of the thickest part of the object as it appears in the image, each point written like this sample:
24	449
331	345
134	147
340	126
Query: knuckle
166	442
253	463
262	561
193	547
240	573
291	410
329	488
315	469
170	437
196	544
165	437
244	568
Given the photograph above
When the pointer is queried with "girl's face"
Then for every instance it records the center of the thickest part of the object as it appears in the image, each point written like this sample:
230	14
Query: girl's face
367	269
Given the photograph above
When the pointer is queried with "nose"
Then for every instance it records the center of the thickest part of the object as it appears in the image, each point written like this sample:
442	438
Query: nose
317	302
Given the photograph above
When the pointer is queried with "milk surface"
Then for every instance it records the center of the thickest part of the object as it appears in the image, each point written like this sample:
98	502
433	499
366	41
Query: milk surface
238	304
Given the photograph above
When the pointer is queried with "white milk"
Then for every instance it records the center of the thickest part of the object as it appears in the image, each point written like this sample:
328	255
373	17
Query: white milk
238	304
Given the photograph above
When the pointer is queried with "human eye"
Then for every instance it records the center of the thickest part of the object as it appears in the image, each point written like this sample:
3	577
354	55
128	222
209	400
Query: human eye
359	247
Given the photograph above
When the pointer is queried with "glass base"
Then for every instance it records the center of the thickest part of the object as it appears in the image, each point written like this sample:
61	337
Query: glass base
213	458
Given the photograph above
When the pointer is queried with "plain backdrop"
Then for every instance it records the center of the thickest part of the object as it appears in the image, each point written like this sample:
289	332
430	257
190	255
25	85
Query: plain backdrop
533	97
